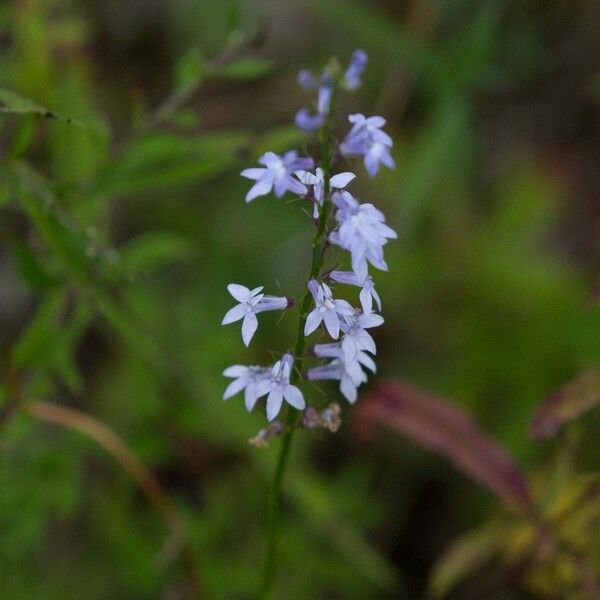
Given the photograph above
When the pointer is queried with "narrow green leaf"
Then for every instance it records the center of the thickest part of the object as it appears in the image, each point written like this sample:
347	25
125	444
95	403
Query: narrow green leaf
36	341
190	69
5	187
58	232
11	102
185	118
248	68
316	502
280	139
153	250
128	325
30	267
67	338
164	159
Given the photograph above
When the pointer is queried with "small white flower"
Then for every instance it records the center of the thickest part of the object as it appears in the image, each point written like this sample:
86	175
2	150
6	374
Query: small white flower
251	302
337	182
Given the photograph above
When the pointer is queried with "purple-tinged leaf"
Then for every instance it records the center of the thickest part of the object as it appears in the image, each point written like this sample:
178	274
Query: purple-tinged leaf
566	404
437	424
463	557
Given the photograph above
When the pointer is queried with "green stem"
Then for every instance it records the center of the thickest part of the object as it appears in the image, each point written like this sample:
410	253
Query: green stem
318	252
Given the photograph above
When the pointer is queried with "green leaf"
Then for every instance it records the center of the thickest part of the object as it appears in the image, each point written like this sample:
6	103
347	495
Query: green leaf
51	337
153	250
30	267
465	555
127	324
5	187
11	102
66	341
280	139
190	69
164	159
37	340
23	137
185	118
56	228
467	57
248	68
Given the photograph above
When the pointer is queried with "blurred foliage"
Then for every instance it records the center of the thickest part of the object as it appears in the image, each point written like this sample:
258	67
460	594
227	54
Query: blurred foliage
117	240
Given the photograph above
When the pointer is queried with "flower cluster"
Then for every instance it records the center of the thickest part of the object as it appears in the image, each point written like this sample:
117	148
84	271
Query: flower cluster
342	221
367	140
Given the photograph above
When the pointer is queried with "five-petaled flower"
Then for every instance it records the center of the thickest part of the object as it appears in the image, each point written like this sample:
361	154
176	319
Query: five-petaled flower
251	302
280	388
277	175
327	310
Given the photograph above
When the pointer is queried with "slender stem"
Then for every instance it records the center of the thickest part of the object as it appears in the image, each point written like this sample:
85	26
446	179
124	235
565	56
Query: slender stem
114	445
273	507
318	251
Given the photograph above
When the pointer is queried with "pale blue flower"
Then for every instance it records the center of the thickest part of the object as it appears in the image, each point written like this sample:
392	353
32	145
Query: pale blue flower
367	293
327	310
356	337
254	380
304	119
359	360
358	63
277	175
337	370
281	389
367	140
308	122
251	302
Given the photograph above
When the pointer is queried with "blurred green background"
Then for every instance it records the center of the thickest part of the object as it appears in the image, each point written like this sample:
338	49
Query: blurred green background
117	241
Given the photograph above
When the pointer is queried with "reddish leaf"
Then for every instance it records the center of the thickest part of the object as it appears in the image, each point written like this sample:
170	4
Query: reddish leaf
436	423
569	402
